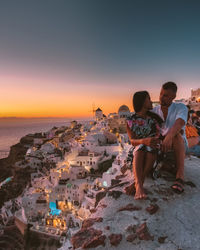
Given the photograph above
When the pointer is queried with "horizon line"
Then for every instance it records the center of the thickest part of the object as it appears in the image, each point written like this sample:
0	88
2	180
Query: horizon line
45	117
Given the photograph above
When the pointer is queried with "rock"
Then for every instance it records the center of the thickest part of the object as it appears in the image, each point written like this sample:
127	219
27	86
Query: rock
143	233
131	229
123	183
88	237
115	194
118	177
107	228
190	183
100	196
17	152
93	210
146	236
130	190
141	229
12	237
164	191
130	207
147	191
152	209
27	140
154	200
95	242
89	222
162	239
114	182
124	169
131	237
115	239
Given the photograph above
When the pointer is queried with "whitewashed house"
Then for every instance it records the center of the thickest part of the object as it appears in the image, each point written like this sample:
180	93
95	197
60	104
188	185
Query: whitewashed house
87	159
48	148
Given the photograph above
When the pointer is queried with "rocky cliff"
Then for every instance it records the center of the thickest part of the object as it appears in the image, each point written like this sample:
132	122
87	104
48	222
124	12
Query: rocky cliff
163	221
21	177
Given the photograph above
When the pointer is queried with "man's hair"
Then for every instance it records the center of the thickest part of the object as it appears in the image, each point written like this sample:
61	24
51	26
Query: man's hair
170	85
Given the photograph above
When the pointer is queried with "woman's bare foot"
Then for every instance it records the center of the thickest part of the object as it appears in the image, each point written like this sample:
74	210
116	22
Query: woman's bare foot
140	194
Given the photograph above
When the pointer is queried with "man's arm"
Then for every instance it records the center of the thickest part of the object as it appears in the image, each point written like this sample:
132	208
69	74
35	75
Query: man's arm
175	129
181	120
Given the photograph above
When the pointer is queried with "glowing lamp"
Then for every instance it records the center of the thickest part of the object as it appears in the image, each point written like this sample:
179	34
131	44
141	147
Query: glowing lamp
105	184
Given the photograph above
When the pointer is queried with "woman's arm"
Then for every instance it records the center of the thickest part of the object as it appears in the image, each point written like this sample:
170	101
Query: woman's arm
149	141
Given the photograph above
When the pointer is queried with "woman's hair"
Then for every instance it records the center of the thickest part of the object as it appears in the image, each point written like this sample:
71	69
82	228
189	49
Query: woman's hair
139	99
138	102
155	116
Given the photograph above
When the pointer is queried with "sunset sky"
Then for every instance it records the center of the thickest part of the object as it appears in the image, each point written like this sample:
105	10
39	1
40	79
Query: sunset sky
59	58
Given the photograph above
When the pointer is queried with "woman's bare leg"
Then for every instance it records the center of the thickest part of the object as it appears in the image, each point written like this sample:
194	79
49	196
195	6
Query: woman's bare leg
149	162
138	170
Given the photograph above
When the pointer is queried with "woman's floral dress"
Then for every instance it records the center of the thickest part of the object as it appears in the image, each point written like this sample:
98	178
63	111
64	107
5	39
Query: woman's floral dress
143	128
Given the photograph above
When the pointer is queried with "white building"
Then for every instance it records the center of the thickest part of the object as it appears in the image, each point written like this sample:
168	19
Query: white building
29	203
87	159
99	114
42	182
77	172
54	176
69	194
48	148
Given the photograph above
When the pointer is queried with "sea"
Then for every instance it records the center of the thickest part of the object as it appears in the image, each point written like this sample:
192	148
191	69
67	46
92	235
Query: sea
13	129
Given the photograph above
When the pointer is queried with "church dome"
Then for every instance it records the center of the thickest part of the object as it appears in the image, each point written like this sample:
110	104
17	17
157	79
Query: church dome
123	109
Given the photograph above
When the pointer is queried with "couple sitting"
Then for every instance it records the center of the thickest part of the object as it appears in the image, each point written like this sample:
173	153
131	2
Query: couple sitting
163	129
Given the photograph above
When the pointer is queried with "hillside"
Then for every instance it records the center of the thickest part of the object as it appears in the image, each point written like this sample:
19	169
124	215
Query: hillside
171	222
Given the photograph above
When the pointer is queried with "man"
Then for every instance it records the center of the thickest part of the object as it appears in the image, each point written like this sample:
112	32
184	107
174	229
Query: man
173	130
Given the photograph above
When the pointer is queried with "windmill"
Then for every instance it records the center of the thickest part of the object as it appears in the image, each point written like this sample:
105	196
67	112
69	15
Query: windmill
93	110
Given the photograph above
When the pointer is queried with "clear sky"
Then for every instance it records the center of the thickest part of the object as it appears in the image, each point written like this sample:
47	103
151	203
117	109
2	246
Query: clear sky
58	58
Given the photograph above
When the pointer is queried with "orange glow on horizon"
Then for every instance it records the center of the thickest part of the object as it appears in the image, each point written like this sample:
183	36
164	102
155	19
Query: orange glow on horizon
30	98
36	96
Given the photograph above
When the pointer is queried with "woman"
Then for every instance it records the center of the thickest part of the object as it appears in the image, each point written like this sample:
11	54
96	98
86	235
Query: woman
143	129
